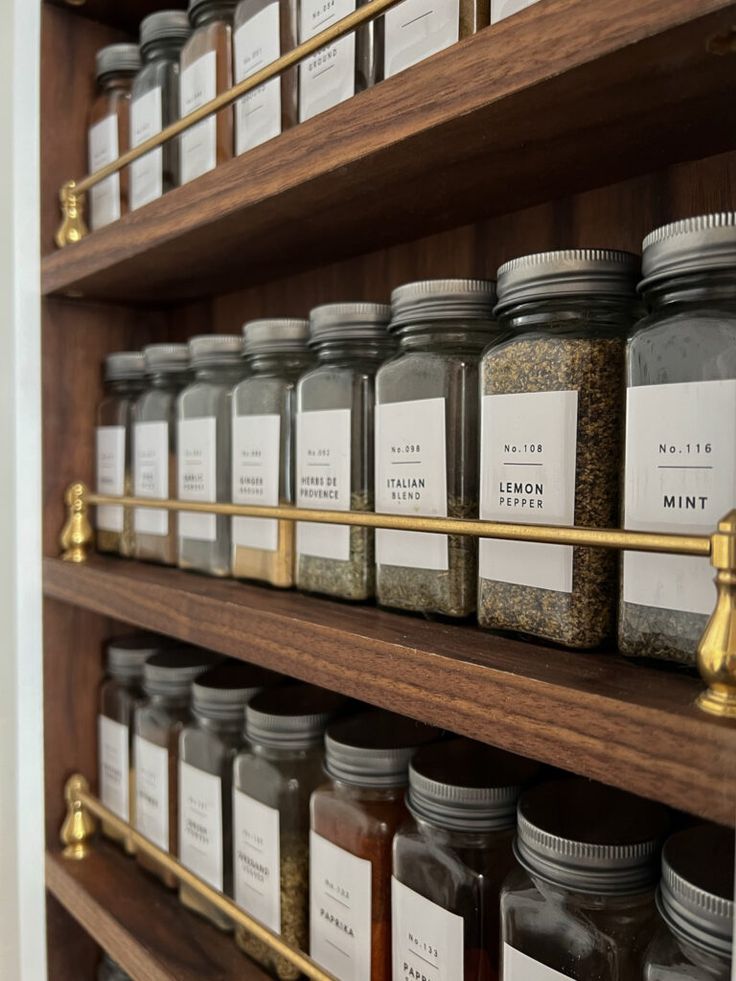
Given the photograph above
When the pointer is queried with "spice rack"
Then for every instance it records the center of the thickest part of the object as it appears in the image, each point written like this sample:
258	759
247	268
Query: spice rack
521	116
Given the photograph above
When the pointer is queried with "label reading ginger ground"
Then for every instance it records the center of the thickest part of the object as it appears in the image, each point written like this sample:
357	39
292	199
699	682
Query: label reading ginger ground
255	469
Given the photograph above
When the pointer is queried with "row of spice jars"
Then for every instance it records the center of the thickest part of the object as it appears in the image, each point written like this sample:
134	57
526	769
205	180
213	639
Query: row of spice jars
367	875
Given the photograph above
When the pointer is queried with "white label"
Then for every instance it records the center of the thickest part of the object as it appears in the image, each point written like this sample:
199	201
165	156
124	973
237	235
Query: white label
103	149
417	29
323	480
151	474
256	448
257	860
411	478
146	174
112	747
110	475
427	939
680	476
200	823
197	464
327	77
527	475
152	791
519	967
198	84
339	910
258	114
505	8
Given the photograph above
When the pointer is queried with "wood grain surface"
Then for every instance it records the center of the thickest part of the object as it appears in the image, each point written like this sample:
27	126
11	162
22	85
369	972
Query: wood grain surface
124	14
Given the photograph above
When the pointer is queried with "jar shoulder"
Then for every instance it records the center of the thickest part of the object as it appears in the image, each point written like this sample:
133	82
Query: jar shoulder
160	73
262	395
355	818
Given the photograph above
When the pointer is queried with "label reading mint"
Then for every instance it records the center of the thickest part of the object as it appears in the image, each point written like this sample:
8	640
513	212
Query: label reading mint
680	476
110	475
151	475
114	769
327	77
197	463
417	29
198	84
411	478
427	939
323	480
200	823
340	910
103	149
519	967
527	475
152	791
258	114
256	448
146	174
257	859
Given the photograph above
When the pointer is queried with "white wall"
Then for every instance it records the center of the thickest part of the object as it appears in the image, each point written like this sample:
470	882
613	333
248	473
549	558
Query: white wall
22	917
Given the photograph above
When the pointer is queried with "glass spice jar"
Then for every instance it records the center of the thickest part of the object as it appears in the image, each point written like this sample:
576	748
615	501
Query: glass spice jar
154	450
680	469
427	442
206	67
207	748
500	9
695	900
353	821
334	445
417	29
155	104
450	862
124	374
108	133
263	30
552	407
581	905
167	683
264	408
273	779
204	412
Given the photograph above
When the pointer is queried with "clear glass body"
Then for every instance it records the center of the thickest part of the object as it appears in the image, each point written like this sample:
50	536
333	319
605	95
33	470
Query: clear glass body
672	958
113	99
363	821
161	71
345	379
213	31
585	937
119	698
283	779
689	335
160	720
440	361
211	746
271	390
209	395
116	409
462	872
158	404
557	346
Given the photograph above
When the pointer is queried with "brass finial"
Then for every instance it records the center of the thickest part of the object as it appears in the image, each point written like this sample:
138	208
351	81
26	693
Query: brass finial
78	825
72	228
717	648
76	536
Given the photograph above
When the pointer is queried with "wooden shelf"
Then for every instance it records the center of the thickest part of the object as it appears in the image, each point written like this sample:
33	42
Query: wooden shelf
126	15
598	715
140	923
565	96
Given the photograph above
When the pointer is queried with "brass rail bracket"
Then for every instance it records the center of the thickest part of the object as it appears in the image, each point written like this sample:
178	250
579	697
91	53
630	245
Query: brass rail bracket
79	825
717	648
73	227
77	535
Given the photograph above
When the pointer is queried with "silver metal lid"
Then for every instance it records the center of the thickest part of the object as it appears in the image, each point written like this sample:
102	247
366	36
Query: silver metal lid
215	349
572	272
467	786
127	655
373	749
224	691
443	299
693	245
356	321
117	59
291	717
124	365
171	673
275	336
165	25
695	895
166	357
590	838
200	8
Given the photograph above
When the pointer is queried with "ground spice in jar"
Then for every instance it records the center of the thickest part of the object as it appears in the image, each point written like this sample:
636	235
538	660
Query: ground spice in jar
353	579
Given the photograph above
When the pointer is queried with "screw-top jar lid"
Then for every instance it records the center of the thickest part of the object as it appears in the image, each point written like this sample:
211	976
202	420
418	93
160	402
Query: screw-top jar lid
692	245
373	749
127	655
171	673
696	892
275	336
353	321
201	8
166	357
224	691
572	272
124	366
117	59
433	300
170	26
590	838
292	716
215	349
467	786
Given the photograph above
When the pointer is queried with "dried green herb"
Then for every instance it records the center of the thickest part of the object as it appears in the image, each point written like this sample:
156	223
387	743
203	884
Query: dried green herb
649	631
350	580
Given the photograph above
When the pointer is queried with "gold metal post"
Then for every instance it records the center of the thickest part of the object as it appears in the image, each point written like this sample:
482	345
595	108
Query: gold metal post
717	648
73	227
79	825
77	535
